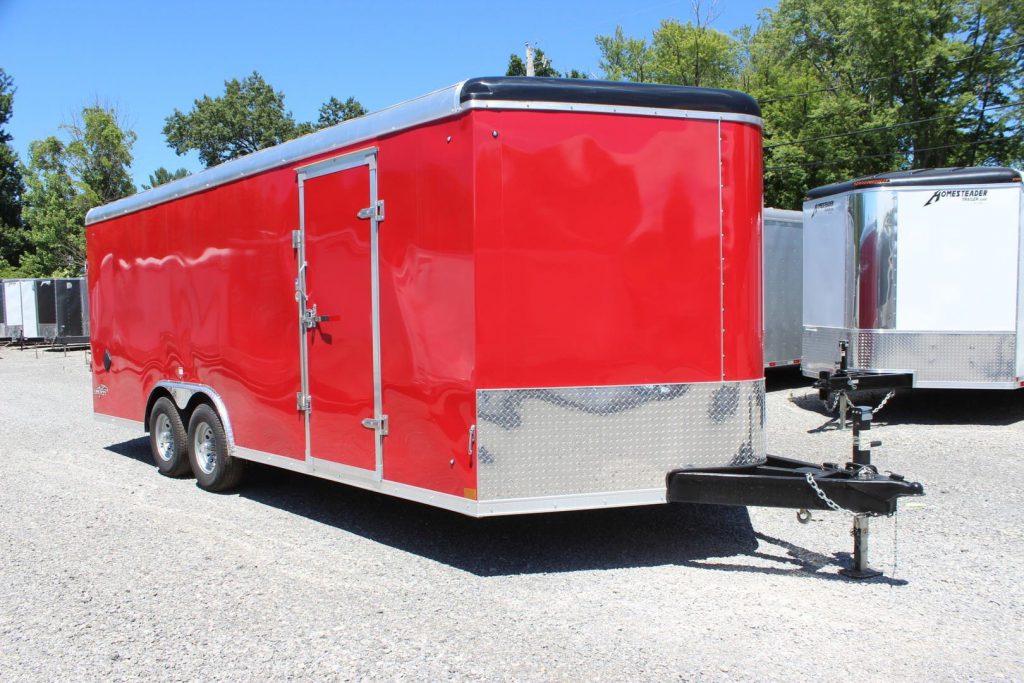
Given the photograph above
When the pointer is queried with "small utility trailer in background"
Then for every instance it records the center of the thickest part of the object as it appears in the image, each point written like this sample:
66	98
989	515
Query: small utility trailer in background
783	287
919	274
512	295
21	312
71	313
50	310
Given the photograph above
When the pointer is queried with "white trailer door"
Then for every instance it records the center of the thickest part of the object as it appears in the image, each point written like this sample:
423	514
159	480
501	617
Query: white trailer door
957	256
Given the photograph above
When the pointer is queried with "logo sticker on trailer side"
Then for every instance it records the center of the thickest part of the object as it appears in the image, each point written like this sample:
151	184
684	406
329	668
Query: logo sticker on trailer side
963	195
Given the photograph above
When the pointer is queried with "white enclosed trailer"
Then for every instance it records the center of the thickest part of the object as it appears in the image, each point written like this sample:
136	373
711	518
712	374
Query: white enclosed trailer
783	287
921	272
20	312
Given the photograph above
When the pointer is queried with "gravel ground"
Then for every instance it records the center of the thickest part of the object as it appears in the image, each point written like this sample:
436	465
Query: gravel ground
110	571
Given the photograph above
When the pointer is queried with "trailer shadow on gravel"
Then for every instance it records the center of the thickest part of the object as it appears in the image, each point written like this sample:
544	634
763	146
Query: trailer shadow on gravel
977	407
708	537
785	379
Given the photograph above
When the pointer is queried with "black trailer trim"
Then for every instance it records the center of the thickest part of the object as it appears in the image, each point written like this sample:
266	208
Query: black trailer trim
611	93
781	482
923	177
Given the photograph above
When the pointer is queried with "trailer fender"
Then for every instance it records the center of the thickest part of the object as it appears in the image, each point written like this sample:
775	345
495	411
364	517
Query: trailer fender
186	397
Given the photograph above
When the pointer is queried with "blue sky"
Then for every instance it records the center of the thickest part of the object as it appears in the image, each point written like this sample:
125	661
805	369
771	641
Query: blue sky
146	59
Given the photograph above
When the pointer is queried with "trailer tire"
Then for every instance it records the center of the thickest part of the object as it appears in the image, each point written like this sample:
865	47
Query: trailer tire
213	466
168	439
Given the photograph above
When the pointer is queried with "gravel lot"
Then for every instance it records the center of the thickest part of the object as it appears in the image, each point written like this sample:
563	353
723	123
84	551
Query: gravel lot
110	571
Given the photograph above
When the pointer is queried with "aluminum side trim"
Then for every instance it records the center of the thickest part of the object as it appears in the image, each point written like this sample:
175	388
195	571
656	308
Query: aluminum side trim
615	109
365	479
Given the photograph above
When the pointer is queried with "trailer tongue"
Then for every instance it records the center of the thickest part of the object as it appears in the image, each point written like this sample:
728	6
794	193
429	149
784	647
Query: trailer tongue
856	488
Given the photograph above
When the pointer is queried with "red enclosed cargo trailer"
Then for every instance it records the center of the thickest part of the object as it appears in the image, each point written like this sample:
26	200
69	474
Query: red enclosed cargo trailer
507	296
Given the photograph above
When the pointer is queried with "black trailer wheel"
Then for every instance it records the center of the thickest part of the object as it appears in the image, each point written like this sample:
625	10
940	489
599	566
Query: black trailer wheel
214	468
168	439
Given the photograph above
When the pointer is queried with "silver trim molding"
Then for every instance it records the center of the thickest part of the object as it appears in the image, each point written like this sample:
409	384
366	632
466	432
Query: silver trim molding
615	109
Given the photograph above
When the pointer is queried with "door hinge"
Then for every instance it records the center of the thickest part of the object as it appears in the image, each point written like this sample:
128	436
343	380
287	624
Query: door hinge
303	402
376	212
380	424
296	239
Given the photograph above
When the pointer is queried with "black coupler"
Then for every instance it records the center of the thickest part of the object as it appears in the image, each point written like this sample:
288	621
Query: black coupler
781	482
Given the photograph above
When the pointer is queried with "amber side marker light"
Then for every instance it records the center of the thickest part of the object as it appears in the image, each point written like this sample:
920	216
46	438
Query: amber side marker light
870	181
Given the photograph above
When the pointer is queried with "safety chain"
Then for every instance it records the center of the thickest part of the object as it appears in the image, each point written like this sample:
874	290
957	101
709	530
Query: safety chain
892	392
831	503
831	407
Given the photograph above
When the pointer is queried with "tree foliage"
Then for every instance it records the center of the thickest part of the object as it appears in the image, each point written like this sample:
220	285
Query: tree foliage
162	176
12	235
679	54
851	89
63	180
248	117
334	111
625	59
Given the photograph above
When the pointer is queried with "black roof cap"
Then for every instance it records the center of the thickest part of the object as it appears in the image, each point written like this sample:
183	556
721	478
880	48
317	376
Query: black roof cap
586	91
957	175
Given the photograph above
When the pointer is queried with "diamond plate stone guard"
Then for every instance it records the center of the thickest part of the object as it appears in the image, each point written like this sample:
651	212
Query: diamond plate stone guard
560	442
936	357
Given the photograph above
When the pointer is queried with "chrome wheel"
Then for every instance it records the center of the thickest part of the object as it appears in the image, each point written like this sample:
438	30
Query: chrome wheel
164	438
205	446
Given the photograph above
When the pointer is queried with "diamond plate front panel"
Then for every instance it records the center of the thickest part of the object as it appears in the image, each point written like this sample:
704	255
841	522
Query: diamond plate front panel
560	442
948	358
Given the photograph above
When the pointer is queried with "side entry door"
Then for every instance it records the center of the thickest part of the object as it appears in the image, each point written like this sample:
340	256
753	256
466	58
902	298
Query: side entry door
339	319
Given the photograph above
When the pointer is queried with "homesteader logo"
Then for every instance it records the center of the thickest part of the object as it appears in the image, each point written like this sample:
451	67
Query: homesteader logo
824	206
965	195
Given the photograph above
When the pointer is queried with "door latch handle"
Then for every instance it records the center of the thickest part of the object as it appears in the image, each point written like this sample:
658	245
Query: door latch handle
380	424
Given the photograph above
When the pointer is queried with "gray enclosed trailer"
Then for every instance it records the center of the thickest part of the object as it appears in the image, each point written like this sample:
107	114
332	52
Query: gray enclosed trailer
920	272
783	287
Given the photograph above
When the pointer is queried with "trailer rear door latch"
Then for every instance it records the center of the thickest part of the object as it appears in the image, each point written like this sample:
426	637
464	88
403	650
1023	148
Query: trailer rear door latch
310	318
296	239
376	212
377	423
302	401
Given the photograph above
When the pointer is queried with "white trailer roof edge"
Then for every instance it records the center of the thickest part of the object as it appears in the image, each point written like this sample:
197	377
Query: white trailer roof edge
782	214
908	188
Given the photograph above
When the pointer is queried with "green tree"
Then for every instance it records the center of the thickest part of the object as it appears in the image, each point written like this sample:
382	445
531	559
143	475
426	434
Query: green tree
334	111
688	54
679	54
13	239
625	59
63	181
248	117
162	176
855	89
